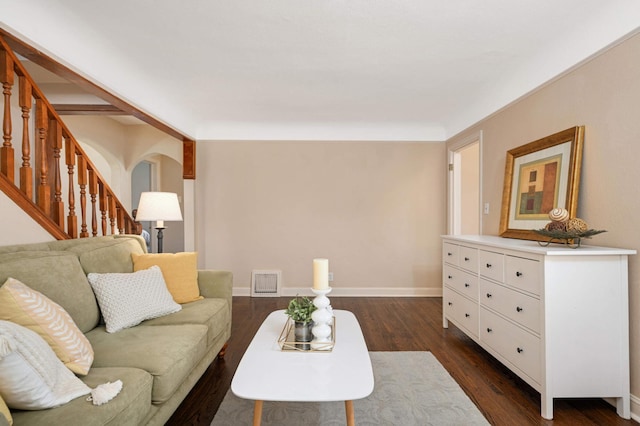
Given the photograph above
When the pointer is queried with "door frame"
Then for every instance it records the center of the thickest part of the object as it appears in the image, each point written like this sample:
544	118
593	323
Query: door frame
454	181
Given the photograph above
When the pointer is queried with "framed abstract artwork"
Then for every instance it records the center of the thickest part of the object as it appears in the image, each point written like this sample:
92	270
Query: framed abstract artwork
540	176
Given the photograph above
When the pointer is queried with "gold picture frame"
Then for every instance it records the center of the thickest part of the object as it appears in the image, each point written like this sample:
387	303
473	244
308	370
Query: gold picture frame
540	176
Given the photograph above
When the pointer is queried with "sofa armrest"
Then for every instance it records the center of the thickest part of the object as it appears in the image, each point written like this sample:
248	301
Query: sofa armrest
214	283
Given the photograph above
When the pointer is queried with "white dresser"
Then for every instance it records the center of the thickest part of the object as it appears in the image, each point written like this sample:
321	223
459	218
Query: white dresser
557	317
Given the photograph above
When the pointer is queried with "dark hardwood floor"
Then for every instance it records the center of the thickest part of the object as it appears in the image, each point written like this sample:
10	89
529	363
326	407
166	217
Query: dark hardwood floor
403	324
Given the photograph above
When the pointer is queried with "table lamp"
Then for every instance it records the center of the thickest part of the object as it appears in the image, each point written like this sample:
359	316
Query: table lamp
161	207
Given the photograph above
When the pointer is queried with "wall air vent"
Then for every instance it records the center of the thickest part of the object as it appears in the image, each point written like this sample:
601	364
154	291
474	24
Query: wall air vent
265	283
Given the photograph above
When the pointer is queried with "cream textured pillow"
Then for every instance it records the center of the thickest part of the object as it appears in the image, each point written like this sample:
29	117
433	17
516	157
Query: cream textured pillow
180	271
33	378
32	309
128	299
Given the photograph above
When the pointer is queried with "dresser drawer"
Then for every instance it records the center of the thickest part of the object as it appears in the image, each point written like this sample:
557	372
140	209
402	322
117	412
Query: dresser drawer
461	310
523	309
523	274
461	281
450	253
491	265
515	344
468	259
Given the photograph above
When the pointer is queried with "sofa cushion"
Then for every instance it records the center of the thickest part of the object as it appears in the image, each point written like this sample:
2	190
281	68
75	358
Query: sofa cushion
168	353
29	308
214	313
180	271
102	256
128	299
25	247
33	378
130	407
57	275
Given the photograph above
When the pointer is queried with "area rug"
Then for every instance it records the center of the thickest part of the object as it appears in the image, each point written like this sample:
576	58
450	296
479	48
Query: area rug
411	388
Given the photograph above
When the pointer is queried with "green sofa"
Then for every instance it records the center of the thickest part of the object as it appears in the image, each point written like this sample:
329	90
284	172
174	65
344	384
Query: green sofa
158	361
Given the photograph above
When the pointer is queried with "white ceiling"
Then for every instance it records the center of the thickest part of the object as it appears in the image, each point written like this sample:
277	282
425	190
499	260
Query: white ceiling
321	69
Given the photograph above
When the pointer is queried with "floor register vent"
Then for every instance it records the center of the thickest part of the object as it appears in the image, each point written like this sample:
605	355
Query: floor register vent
265	283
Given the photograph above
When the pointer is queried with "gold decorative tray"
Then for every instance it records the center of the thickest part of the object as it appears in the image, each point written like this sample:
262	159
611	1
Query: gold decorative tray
287	341
571	239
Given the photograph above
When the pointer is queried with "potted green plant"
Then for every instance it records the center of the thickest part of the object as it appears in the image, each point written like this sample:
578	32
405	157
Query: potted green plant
300	310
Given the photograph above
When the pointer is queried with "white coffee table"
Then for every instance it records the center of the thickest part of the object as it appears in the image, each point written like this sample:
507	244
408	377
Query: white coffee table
344	374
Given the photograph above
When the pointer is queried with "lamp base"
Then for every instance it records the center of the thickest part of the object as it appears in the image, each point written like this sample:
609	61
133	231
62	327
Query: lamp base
160	237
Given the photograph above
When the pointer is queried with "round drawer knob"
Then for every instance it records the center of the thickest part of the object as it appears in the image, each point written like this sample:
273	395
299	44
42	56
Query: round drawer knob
449	276
467	315
519	309
467	285
518	274
489	330
450	303
488	265
489	295
520	350
466	259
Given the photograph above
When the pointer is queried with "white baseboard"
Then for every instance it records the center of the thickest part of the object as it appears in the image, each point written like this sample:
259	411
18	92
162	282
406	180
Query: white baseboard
635	408
354	292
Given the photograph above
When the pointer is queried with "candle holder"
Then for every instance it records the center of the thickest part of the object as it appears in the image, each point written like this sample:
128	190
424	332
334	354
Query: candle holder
322	320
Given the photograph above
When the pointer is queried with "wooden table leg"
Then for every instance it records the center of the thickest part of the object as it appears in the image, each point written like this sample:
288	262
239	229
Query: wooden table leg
257	413
351	416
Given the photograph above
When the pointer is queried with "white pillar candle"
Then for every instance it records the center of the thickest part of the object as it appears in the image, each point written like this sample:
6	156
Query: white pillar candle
320	274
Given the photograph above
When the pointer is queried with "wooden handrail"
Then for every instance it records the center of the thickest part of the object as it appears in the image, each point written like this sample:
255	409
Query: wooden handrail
41	190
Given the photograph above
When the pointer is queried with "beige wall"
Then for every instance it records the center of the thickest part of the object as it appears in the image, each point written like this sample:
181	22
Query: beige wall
375	210
604	96
17	227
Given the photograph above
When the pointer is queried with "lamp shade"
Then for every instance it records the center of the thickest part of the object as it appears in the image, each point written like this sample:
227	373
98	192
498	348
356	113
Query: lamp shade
158	206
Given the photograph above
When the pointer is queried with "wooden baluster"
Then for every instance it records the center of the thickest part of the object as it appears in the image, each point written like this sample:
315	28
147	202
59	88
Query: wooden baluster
44	190
120	220
82	182
102	196
112	212
93	191
70	157
26	172
55	142
6	152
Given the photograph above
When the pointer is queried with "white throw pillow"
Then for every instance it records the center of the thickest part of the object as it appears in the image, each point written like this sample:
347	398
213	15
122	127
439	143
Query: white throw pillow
33	378
128	299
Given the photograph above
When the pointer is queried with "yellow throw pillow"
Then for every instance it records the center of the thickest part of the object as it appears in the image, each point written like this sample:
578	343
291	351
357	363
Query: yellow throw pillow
4	411
180	272
32	309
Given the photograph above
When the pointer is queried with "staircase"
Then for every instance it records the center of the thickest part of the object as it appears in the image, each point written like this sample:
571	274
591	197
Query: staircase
44	170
